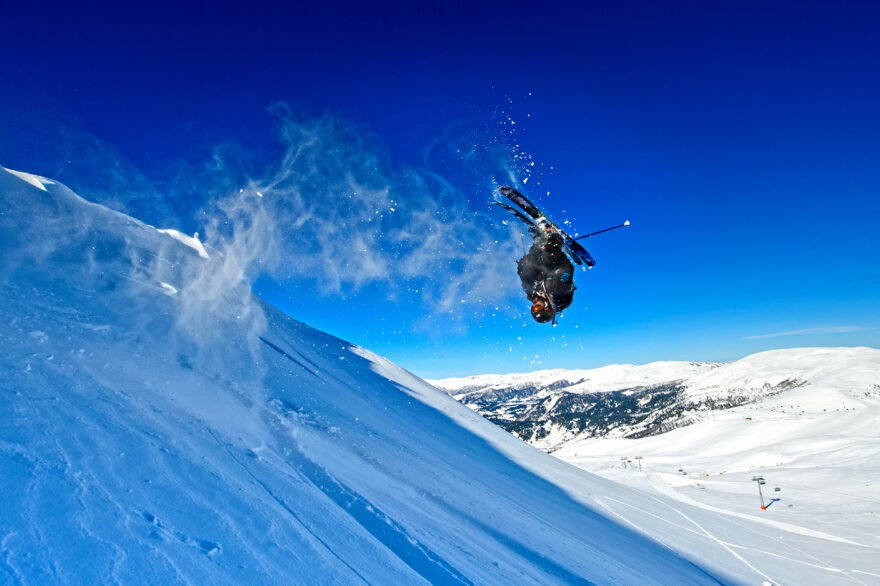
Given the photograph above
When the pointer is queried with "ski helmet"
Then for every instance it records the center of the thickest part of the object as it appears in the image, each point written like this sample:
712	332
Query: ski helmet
542	311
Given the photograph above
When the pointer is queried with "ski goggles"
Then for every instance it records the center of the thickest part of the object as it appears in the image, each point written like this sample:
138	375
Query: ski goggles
542	304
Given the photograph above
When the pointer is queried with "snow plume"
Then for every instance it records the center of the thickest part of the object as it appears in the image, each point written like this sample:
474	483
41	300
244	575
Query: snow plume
332	201
342	219
216	295
326	212
159	288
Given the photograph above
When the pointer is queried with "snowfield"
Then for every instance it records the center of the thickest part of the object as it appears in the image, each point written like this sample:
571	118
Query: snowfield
162	425
808	427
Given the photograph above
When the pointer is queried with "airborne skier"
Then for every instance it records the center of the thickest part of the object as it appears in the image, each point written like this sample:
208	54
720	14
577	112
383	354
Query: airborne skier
546	272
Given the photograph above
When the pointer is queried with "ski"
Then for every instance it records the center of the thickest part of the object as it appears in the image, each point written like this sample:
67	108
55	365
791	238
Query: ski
577	252
528	222
525	219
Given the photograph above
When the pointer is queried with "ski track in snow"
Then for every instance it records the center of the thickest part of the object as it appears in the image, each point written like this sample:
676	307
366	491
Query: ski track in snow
729	546
427	564
603	500
711	536
819	563
662	487
288	508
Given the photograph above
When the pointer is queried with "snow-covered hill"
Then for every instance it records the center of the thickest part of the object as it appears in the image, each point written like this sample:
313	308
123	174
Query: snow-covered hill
162	425
553	408
815	444
803	419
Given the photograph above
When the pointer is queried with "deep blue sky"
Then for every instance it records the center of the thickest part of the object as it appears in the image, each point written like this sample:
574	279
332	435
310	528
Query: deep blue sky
741	139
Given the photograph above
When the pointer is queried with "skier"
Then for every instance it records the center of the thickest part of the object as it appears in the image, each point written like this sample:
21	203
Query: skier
546	273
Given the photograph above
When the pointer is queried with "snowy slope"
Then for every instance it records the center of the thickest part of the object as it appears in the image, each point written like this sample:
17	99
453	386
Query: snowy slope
804	419
819	371
815	444
162	425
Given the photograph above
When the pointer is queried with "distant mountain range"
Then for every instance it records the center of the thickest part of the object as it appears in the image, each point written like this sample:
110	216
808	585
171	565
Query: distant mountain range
550	408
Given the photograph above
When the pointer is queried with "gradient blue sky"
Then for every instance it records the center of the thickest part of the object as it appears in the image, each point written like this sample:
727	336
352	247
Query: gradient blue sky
741	139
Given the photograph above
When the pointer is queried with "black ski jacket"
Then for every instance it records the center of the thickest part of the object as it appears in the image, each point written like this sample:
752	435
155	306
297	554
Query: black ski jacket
546	269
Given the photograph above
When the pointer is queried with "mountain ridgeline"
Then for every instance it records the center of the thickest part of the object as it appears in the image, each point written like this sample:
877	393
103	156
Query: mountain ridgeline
551	408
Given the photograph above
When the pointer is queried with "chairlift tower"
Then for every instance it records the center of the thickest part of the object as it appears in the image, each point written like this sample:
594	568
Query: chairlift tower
639	460
760	481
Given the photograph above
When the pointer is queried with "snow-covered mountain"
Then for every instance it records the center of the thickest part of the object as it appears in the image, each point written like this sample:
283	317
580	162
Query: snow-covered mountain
809	430
551	408
804	420
162	425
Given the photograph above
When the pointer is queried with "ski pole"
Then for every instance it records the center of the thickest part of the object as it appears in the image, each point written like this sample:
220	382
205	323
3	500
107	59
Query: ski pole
605	230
